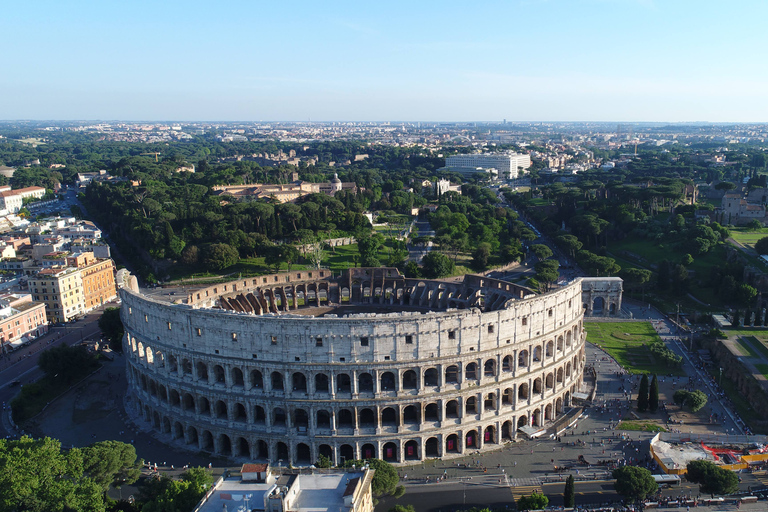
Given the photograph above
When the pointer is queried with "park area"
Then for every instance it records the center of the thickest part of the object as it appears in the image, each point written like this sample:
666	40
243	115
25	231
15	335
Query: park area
630	344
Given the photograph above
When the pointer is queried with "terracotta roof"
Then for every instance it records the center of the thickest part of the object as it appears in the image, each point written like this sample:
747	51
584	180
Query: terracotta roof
254	468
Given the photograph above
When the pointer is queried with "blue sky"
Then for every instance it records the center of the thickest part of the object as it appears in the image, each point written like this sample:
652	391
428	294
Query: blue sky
520	60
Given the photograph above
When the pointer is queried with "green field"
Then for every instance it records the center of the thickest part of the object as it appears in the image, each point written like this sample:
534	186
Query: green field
757	344
748	237
745	349
643	426
627	343
763	369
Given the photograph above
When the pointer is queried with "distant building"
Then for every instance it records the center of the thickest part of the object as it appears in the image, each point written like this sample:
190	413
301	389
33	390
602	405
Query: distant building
738	210
13	200
508	165
442	186
285	193
20	317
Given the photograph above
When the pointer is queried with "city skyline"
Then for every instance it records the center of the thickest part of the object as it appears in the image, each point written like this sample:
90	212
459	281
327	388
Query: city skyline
529	60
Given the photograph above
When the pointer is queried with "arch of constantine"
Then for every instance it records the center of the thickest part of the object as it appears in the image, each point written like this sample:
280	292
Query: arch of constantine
364	364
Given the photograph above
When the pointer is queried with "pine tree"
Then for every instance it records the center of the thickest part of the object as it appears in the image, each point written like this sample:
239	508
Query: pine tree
569	496
653	395
642	394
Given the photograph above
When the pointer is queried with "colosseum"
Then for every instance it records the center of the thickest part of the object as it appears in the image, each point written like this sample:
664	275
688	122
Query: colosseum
291	366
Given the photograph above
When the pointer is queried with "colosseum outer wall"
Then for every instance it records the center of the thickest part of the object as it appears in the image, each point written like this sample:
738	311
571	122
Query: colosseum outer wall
400	386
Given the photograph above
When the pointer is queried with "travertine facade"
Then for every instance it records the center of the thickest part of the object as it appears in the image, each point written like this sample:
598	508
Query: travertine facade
370	364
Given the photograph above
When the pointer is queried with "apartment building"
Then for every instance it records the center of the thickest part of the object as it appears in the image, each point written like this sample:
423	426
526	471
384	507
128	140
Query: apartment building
508	165
20	317
72	290
13	200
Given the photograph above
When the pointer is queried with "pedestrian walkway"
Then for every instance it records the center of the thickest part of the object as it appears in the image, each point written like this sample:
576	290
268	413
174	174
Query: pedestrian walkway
520	482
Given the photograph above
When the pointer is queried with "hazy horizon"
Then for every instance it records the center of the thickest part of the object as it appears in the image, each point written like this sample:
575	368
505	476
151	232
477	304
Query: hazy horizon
524	61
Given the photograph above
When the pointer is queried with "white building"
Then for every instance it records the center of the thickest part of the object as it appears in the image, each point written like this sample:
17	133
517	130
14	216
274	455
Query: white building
13	200
508	165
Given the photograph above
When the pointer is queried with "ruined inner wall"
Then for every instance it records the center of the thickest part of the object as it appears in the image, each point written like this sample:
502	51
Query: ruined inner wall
401	386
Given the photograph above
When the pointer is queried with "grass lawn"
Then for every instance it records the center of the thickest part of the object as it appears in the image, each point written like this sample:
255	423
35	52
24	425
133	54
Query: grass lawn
763	369
757	344
627	343
745	349
643	425
748	237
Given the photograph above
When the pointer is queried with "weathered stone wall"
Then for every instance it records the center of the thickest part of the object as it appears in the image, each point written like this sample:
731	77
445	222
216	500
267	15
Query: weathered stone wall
400	386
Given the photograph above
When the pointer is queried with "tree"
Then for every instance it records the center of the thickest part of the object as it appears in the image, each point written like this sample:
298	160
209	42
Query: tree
642	394
64	364
324	462
634	483
219	256
436	264
696	400
735	318
402	508
569	243
535	501
761	246
653	395
111	463
385	479
480	256
37	476
369	245
541	251
711	478
168	495
112	328
687	260
569	495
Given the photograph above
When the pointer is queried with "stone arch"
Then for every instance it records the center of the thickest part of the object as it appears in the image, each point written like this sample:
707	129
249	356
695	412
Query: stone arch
537	354
412	450
301	419
536	418
326	451
368	451
470	439
188	402
186	367
242	447
173	363
221	410
411	415
366	417
452	409
470	371
237	377
470	405
346	418
256	379
549	351
178	430
559	406
192	436
452	444
303	454
219	374
365	383
262	449
166	426
343	383
549	381
259	414
452	374
390	453
206	442
202	371
323	419
598	306
278	417
548	412
537	385
431	377
276	380
508	396
559	343
489	403
282	452
489	368
431	412
489	435
432	447
507	364
410	380
568	370
567	399
568	338
204	405
225	445
389	417
299	382
522	391
175	398
387	381
321	383
522	421
346	452
522	358
240	413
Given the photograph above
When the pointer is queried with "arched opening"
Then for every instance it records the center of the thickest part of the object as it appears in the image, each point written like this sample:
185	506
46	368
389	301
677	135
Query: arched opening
536	418
173	364
470	405
452	374
277	381
390	452
186	367
300	420
522	421
178	430
522	391
387	381
410	380
188	404
282	452
558	406
321	383
489	404
259	415
506	364
367	418
346	452
536	354
166	426
432	412
257	381
156	420
567	399
452	444
431	377
597	306
537	385
278	417
219	374
522	359
470	371
204	406
411	415
299	382
411	450
207	444
192	436
389	417
221	410
452	409
507	397
489	435
550	350
559	374
323	419
549	382
568	338
202	371
175	398
326	451
471	439
343	383
243	448
225	445
365	383
303	454
489	368
262	449
548	412
240	413
432	447
506	431
237	377
559	343
346	420
568	371
368	451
